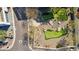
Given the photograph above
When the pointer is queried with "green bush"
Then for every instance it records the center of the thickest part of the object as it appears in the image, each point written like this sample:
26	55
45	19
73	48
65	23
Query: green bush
47	16
60	14
59	46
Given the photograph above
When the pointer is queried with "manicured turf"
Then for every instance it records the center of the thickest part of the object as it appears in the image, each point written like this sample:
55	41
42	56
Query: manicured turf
53	34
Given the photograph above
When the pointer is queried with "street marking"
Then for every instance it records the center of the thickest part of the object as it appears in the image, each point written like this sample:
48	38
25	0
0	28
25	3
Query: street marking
20	41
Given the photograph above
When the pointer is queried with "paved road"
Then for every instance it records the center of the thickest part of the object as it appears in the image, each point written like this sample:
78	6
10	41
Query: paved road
77	29
21	43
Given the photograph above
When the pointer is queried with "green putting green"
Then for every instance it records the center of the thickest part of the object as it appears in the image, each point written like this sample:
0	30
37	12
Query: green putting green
54	34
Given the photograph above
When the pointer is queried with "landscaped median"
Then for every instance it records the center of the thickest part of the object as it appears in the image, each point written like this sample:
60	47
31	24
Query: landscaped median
49	34
2	34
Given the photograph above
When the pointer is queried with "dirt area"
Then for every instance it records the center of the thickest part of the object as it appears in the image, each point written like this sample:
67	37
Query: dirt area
39	38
